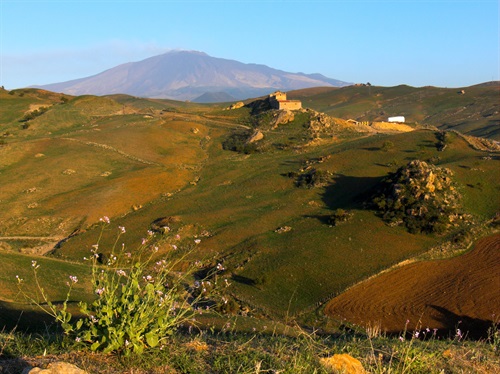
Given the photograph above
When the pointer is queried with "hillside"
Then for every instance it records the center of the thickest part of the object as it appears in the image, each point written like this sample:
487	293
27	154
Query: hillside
471	110
289	216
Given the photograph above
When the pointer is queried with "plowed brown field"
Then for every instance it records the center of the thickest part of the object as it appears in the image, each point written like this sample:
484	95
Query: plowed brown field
461	292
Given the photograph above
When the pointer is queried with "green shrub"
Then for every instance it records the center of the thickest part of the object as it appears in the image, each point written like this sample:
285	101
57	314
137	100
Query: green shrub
313	178
340	216
444	139
238	142
139	302
387	146
32	115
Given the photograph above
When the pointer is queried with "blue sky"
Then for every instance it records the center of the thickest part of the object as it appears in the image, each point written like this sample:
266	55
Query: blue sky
446	43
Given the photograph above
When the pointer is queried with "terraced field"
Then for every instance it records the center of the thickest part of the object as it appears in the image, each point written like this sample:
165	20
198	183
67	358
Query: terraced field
461	292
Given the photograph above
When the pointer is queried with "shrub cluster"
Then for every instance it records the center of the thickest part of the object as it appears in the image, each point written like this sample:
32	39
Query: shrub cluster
443	139
35	113
311	177
238	142
340	216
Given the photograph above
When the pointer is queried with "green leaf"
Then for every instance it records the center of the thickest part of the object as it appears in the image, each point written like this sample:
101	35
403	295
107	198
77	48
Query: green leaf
79	324
94	346
152	339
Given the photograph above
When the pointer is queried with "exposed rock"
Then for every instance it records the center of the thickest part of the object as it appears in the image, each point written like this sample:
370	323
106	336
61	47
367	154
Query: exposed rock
282	117
342	363
421	196
164	224
256	136
391	127
321	124
237	105
56	368
283	229
481	143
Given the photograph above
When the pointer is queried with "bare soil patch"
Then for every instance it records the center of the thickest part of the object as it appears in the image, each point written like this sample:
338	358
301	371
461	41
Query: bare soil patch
390	126
461	292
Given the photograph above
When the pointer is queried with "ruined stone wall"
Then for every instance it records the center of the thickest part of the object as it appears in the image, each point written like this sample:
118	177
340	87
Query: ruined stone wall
275	104
278	101
290	105
278	95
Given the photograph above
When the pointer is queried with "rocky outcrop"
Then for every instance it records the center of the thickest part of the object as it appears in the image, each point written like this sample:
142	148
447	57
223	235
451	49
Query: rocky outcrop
422	197
56	368
342	363
256	136
319	122
237	105
282	117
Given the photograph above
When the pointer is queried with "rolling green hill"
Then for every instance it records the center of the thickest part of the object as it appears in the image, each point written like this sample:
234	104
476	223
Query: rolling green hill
471	110
263	211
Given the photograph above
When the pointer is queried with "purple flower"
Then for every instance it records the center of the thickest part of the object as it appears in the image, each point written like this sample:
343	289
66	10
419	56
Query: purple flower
100	291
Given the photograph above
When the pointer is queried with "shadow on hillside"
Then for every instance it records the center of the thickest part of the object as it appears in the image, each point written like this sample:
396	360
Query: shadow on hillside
346	192
462	326
427	144
13	364
388	165
243	280
15	318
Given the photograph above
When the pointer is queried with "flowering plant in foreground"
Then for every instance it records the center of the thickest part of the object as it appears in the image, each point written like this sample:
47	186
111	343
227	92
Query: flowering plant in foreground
139	301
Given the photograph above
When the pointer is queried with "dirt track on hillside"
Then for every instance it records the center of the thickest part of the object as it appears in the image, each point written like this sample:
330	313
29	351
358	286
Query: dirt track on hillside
462	292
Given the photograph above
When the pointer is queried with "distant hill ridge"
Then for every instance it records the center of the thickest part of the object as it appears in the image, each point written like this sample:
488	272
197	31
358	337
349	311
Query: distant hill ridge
188	75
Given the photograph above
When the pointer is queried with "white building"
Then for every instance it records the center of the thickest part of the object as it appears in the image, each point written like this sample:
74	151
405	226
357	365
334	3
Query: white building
396	119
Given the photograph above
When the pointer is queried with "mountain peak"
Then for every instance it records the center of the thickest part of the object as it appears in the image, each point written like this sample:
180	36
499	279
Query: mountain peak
186	75
185	51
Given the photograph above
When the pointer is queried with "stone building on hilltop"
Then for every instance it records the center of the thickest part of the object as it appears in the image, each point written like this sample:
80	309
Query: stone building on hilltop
278	101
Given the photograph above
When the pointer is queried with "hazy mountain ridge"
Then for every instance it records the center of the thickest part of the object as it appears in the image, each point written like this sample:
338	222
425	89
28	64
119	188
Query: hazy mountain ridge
186	75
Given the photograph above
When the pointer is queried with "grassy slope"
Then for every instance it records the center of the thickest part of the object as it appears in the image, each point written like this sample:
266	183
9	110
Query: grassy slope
87	157
241	200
